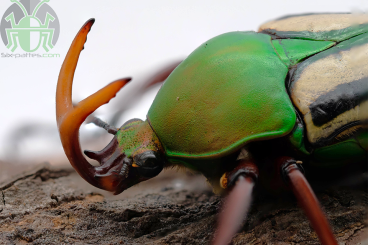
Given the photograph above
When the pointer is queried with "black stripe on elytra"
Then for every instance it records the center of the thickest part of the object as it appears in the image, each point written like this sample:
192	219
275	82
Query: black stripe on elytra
331	139
343	98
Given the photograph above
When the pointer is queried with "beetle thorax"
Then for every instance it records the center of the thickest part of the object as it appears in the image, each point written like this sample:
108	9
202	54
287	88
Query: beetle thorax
28	22
137	136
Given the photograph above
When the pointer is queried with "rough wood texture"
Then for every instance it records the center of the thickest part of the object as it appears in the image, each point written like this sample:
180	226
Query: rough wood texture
53	207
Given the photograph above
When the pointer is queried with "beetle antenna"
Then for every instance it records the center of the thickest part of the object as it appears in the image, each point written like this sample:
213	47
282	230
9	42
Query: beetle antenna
98	122
38	6
21	6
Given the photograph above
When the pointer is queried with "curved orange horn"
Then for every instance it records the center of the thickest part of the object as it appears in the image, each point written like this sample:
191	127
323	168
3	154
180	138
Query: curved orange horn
69	118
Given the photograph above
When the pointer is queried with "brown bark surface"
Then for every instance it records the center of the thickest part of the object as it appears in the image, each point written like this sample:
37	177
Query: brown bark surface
55	206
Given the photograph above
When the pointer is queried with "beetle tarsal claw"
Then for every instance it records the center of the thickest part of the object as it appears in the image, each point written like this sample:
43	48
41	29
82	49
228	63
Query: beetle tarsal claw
70	118
124	170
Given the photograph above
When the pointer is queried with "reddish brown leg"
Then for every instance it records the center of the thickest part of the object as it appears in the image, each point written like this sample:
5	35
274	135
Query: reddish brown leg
308	201
241	182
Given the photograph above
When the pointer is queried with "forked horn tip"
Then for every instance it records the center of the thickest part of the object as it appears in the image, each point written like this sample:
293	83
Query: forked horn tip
125	80
87	28
89	22
120	83
87	25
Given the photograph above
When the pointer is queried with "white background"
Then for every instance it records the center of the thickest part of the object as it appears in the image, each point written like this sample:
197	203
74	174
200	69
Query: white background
129	38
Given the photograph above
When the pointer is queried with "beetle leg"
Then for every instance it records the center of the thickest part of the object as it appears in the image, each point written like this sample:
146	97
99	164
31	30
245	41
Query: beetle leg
45	38
241	182
10	33
307	200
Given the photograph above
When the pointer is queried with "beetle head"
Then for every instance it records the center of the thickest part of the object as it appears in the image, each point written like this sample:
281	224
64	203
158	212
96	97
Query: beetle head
133	155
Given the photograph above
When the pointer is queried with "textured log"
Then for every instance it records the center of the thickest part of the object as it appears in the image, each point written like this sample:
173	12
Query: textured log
49	206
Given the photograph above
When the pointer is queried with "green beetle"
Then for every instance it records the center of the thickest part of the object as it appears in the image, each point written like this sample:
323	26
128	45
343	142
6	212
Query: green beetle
299	85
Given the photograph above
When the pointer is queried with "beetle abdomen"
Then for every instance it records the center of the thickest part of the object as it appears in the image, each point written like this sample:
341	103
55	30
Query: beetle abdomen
330	90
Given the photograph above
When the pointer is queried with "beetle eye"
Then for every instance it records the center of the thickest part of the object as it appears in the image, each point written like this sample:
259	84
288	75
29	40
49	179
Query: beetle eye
150	164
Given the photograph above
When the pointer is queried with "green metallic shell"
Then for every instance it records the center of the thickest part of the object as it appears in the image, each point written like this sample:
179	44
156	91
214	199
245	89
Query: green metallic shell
228	92
341	153
292	51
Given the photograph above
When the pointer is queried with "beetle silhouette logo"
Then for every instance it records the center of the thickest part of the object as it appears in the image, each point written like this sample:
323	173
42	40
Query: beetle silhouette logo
29	24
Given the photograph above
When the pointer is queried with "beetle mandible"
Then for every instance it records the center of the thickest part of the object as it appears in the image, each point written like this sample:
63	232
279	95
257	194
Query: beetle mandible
294	92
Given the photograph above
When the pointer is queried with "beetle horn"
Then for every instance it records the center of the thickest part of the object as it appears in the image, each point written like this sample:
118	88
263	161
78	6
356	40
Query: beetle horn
102	155
69	118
